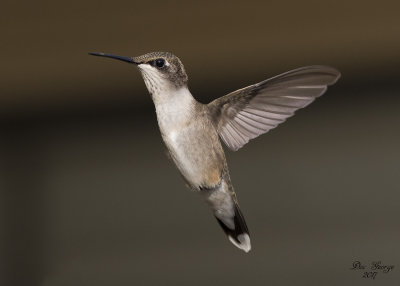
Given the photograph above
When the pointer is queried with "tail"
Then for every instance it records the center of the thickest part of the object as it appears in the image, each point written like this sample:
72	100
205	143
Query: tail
230	218
239	235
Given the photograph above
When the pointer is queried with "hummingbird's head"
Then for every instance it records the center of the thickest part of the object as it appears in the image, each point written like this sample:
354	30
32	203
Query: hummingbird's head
161	71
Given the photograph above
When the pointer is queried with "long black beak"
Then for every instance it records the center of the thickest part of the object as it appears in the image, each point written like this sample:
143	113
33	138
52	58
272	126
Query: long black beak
124	59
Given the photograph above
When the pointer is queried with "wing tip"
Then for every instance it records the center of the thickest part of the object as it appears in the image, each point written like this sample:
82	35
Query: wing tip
334	72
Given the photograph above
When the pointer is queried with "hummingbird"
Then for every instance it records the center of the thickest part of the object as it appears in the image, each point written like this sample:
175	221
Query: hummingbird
191	130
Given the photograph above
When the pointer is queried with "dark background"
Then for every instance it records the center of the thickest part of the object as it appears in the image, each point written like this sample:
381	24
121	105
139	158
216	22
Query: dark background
88	196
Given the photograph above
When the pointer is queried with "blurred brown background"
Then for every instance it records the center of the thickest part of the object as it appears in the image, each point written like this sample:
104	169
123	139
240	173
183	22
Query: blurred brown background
88	196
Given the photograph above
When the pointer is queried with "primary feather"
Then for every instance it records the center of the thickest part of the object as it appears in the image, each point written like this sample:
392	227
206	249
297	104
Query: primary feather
254	110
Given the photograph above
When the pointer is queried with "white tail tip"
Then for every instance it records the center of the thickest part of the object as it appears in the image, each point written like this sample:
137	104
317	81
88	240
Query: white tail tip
244	240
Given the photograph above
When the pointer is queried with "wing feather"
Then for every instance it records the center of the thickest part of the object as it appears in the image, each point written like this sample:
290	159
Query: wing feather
251	111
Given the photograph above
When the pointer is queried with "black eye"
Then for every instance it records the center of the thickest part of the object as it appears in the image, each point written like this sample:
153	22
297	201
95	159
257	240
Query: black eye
160	63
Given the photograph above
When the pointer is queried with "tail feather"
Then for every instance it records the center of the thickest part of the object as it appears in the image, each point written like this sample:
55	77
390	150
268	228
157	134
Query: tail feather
239	235
223	203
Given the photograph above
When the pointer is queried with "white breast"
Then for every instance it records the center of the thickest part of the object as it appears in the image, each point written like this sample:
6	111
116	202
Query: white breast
175	117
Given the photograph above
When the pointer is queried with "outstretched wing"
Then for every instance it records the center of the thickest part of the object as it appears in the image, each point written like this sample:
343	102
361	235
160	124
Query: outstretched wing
254	110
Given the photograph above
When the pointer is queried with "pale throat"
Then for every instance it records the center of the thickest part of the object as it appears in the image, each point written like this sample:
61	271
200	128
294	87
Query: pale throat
157	83
174	105
174	108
